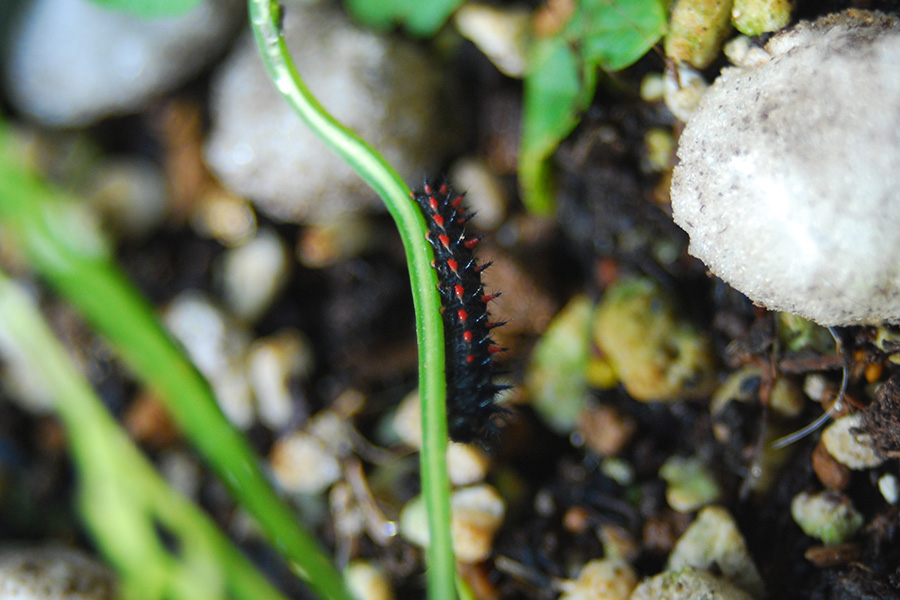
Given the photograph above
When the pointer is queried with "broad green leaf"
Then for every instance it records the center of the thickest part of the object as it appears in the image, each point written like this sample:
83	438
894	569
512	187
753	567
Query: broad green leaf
616	33
419	17
150	8
562	78
557	89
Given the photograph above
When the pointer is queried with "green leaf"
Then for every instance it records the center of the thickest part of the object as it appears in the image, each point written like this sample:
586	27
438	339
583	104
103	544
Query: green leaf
557	89
562	78
616	33
149	8
419	17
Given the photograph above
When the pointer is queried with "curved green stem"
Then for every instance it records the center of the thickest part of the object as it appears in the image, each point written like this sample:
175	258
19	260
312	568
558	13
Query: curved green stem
371	166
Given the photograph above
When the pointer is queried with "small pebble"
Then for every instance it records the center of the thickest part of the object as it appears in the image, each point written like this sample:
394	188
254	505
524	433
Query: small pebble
684	87
605	429
367	581
130	195
688	584
485	196
274	363
605	579
218	347
302	464
830	473
466	464
54	573
849	447
500	32
253	274
224	217
331	241
826	516
657	353
714	541
691	484
477	514
889	487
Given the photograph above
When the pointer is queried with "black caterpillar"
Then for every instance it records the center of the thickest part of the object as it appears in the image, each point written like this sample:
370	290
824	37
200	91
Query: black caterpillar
473	414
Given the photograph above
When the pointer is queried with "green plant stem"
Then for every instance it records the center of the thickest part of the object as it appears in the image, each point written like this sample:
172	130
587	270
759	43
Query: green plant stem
122	496
71	255
368	163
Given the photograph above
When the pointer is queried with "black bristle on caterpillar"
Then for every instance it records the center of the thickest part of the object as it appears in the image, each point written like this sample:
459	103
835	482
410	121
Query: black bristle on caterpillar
473	414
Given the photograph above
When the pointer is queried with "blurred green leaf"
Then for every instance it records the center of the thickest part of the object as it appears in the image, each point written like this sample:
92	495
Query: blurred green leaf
420	17
562	78
149	8
615	33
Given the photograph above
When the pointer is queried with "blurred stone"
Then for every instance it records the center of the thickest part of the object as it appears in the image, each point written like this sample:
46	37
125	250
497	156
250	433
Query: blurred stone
54	573
74	62
384	88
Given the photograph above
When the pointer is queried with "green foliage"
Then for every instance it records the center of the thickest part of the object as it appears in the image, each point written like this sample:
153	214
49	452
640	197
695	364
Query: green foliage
562	79
420	17
150	8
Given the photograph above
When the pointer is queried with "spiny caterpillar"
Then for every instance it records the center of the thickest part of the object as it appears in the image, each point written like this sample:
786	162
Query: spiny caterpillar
472	411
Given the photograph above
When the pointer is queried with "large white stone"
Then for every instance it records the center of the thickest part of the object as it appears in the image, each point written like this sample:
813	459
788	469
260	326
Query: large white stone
73	62
385	88
789	174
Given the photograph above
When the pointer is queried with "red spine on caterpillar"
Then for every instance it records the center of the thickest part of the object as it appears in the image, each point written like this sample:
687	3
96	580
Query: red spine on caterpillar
473	414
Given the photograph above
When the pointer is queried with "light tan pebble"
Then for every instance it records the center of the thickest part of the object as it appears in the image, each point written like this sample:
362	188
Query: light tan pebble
682	91
477	513
466	464
485	195
407	421
253	274
367	581
477	516
224	217
755	17
688	584
500	33
713	539
302	464
328	242
848	447
605	579
273	364
54	573
741	51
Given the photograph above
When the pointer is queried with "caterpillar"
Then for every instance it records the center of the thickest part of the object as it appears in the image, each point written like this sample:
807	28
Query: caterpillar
473	414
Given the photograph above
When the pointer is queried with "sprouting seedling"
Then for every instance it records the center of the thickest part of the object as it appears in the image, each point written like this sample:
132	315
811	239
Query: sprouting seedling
835	407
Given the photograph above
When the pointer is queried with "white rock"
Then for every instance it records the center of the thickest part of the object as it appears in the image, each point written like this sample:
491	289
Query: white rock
714	539
54	573
688	584
302	464
383	88
273	363
253	274
73	62
218	347
848	447
789	173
